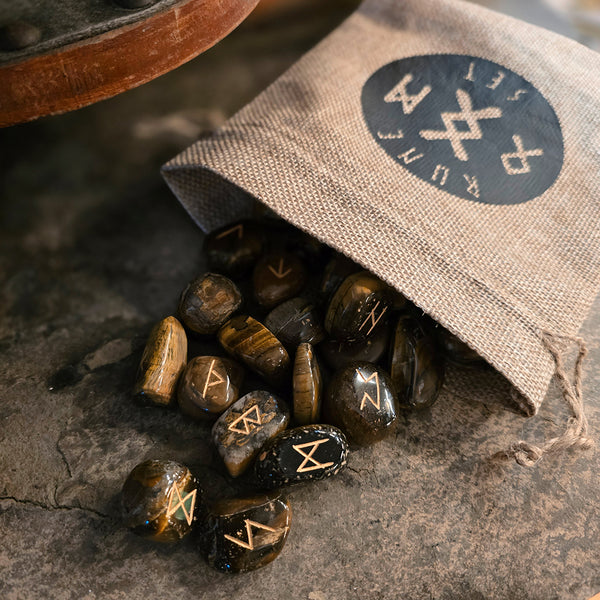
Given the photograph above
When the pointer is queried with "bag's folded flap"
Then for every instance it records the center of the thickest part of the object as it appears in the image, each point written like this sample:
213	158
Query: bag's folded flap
496	262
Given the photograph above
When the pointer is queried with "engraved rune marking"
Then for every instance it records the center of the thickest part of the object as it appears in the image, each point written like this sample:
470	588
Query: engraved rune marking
280	273
497	80
443	170
367	396
249	545
371	316
516	95
400	94
189	499
239	228
521	155
407	158
466	115
471	73
473	188
209	383
391	136
247	420
303	468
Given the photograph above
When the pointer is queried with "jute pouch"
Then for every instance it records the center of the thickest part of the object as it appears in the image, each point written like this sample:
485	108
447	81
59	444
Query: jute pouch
454	152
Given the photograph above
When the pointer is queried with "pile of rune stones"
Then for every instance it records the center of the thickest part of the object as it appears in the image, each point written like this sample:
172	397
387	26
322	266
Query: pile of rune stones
339	352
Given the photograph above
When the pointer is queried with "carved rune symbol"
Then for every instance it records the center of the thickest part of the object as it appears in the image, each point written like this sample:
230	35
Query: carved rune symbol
303	468
249	545
466	115
371	316
247	420
186	504
239	228
521	155
208	383
280	273
367	396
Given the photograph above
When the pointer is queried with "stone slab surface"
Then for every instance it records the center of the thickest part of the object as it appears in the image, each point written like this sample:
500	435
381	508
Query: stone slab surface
93	251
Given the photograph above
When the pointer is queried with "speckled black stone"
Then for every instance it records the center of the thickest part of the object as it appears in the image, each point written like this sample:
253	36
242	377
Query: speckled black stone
295	322
301	454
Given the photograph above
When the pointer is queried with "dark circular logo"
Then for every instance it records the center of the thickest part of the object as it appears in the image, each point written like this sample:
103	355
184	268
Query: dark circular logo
466	125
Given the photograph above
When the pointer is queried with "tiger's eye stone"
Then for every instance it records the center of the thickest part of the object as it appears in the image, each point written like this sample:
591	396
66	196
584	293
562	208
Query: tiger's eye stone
160	500
308	386
207	302
233	249
278	277
456	350
244	428
360	401
208	386
416	365
359	306
337	270
250	341
162	362
246	533
339	354
295	322
301	454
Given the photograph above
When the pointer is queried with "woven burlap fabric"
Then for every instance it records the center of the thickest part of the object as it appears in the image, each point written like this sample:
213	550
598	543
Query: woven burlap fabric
503	277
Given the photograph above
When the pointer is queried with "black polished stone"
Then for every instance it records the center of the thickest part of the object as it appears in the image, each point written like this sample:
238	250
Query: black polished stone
295	322
277	277
301	454
339	354
455	350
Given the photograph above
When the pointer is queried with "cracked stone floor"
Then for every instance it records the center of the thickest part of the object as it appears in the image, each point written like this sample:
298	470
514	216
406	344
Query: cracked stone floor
94	250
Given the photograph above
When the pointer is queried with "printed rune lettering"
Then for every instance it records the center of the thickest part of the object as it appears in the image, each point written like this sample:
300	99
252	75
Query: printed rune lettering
521	155
400	94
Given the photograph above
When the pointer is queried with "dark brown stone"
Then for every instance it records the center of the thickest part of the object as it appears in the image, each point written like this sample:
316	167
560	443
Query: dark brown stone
244	534
160	500
233	249
208	386
337	270
251	342
244	428
278	277
455	350
207	302
360	401
295	322
308	386
339	354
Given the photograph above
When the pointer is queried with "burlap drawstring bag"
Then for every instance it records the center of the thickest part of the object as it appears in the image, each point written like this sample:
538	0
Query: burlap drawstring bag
453	151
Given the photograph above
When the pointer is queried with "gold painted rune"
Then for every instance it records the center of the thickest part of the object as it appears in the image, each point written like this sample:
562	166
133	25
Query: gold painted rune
280	273
304	467
186	504
208	383
247	420
367	396
249	545
371	316
239	228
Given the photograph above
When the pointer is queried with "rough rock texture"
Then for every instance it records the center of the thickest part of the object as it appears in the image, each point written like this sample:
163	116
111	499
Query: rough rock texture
93	251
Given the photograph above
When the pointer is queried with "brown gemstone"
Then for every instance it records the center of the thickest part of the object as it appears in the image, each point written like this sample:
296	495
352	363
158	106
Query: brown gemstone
244	428
160	500
339	354
360	401
308	386
208	386
337	270
233	249
207	302
244	534
359	307
250	341
416	365
162	362
278	277
295	322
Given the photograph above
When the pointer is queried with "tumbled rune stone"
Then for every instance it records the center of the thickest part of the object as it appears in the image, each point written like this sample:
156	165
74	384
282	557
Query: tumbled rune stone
416	364
207	302
278	277
160	500
295	322
360	305
244	534
250	341
233	249
339	354
308	386
337	270
360	401
162	362
208	386
301	454
455	350
246	426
